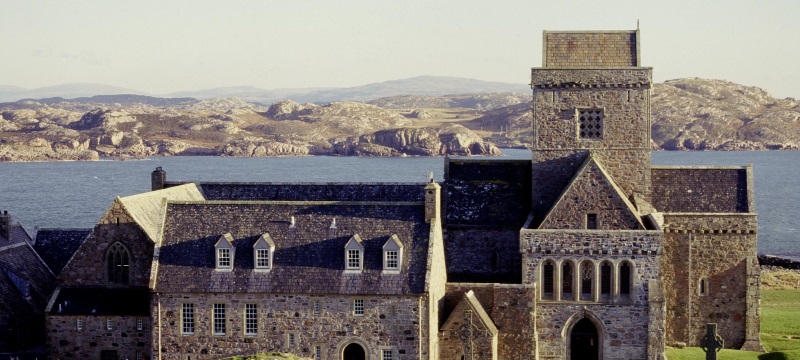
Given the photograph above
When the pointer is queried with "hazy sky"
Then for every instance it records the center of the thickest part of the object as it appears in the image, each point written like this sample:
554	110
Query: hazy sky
166	46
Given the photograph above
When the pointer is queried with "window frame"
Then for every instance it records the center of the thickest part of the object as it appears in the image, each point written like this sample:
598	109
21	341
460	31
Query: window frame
581	114
263	252
358	307
187	318
250	327
79	324
118	264
392	255
219	319
224	253
354	255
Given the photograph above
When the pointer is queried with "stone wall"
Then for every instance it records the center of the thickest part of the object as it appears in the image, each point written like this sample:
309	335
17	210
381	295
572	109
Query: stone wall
65	341
716	249
436	281
88	266
511	308
590	48
389	322
624	323
482	255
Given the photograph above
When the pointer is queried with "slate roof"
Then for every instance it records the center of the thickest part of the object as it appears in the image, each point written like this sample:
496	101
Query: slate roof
704	189
312	191
56	246
487	192
147	209
102	301
20	259
308	258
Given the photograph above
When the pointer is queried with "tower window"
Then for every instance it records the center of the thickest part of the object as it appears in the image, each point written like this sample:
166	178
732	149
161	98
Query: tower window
590	123
566	281
605	279
548	274
591	221
625	280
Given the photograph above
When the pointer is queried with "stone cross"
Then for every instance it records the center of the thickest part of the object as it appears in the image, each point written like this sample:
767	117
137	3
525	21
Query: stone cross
465	335
712	342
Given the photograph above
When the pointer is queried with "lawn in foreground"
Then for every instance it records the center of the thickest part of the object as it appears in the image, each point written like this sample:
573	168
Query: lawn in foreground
780	331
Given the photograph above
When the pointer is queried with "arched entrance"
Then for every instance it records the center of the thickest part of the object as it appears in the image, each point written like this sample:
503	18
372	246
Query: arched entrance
354	352
584	344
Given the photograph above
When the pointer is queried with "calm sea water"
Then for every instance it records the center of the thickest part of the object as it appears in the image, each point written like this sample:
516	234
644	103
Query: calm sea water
75	194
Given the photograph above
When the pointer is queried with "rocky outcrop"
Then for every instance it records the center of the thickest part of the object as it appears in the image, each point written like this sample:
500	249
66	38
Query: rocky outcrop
448	140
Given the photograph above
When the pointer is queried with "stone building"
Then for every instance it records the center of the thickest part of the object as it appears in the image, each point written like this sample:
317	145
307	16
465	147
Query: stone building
586	251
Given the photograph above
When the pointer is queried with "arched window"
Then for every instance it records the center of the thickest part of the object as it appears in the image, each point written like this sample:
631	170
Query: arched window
566	281
548	279
625	279
702	287
587	280
118	261
605	279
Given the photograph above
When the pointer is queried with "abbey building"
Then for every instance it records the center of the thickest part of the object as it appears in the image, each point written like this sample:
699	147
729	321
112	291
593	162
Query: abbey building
585	251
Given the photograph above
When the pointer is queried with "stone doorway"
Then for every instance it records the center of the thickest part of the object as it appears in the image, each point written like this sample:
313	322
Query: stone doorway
354	352
583	340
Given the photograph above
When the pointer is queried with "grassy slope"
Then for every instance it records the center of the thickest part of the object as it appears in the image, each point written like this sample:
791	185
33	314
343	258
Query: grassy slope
780	330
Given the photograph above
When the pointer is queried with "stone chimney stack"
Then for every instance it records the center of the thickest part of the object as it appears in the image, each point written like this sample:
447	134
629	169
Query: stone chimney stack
158	179
433	203
5	225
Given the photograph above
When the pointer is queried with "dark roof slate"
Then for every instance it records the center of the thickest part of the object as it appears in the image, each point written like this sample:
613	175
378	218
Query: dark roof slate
312	191
308	258
21	259
487	192
102	301
56	246
715	189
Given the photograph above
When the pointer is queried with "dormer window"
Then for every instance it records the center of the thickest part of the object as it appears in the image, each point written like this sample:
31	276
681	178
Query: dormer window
392	255
354	254
262	252
224	252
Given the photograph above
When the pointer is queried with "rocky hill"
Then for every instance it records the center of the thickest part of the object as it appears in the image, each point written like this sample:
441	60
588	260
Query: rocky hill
94	127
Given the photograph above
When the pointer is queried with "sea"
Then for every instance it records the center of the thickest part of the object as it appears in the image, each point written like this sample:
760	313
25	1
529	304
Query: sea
74	194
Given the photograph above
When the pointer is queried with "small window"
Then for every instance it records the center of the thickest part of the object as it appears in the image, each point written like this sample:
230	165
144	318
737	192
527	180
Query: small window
392	255
353	251
358	307
387	354
79	324
702	287
625	280
590	124
263	250
548	274
139	324
250	319
219	319
591	221
224	252
317	352
109	324
291	339
187	319
316	308
605	279
139	355
566	281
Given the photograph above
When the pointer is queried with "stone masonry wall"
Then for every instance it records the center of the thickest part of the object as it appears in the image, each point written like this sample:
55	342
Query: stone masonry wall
389	322
65	341
623	324
481	255
715	248
511	308
593	48
436	279
88	266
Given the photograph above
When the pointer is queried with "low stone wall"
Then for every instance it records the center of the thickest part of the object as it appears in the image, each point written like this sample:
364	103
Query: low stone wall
65	341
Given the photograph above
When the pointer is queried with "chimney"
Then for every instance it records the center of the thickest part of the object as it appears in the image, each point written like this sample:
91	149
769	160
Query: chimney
5	225
158	179
433	204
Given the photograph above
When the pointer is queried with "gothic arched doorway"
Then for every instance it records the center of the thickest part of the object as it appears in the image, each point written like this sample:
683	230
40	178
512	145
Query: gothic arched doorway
354	352
583	340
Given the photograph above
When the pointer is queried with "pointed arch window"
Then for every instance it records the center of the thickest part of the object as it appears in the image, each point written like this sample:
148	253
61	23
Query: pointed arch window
587	280
118	261
566	281
605	279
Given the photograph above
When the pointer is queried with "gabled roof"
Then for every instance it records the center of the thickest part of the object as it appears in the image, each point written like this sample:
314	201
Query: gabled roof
308	258
705	189
470	302
56	246
311	191
592	190
21	259
147	209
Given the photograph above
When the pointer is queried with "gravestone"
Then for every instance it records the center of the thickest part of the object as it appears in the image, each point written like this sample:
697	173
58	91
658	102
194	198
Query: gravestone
712	342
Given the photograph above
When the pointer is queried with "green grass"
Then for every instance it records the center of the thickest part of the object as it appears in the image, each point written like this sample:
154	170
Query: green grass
780	331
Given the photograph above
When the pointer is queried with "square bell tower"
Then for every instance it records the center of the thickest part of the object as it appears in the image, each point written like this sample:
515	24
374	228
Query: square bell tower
590	95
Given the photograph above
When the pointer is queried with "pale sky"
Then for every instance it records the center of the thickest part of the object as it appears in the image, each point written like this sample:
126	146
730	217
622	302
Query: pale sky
166	46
